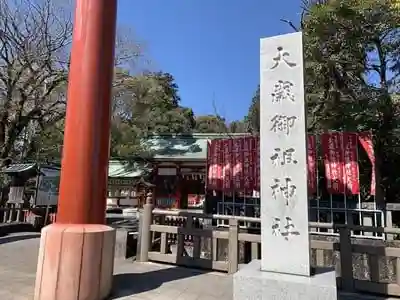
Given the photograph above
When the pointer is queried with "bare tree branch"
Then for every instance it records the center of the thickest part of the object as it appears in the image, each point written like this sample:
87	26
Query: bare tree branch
290	23
225	128
35	37
35	44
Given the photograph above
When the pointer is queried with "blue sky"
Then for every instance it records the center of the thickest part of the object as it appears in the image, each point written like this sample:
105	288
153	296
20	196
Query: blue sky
211	47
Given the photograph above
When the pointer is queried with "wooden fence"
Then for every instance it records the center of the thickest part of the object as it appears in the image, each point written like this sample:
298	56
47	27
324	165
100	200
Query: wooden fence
361	265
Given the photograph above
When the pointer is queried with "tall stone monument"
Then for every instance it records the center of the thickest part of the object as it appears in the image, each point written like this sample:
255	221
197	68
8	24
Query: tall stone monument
284	270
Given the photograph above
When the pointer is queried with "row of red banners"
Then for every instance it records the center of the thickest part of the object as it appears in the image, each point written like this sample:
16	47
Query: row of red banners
234	164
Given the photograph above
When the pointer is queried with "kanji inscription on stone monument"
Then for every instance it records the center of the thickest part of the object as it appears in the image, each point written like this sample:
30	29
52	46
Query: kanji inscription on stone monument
282	91
282	57
282	123
284	189
284	207
283	157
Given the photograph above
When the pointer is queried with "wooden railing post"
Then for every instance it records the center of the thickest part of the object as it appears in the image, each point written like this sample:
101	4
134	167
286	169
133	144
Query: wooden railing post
145	234
346	259
233	247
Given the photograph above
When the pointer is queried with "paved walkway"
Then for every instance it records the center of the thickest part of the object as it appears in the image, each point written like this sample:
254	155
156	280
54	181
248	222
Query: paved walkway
143	281
136	281
133	281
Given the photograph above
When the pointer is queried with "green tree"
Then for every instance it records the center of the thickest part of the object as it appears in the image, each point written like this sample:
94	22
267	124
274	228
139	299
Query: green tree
211	124
165	113
145	104
352	68
352	76
238	127
141	105
47	146
252	119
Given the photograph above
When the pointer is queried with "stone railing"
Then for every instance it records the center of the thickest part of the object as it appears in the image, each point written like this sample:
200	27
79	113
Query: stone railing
12	213
190	239
15	213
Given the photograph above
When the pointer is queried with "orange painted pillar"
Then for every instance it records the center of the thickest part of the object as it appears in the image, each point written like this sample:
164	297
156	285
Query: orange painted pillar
83	182
76	256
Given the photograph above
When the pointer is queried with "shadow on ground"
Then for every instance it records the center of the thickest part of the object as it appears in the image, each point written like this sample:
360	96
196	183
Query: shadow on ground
15	227
4	239
130	284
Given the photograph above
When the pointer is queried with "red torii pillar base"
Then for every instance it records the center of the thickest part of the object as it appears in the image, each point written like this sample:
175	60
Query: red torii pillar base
75	262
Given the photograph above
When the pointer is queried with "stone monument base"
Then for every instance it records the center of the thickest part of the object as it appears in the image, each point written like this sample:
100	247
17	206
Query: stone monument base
75	262
250	283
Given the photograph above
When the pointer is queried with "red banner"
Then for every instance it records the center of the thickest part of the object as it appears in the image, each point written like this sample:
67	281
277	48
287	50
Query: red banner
227	164
237	163
256	166
234	164
332	151
365	139
214	156
248	163
351	171
312	163
219	155
210	166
